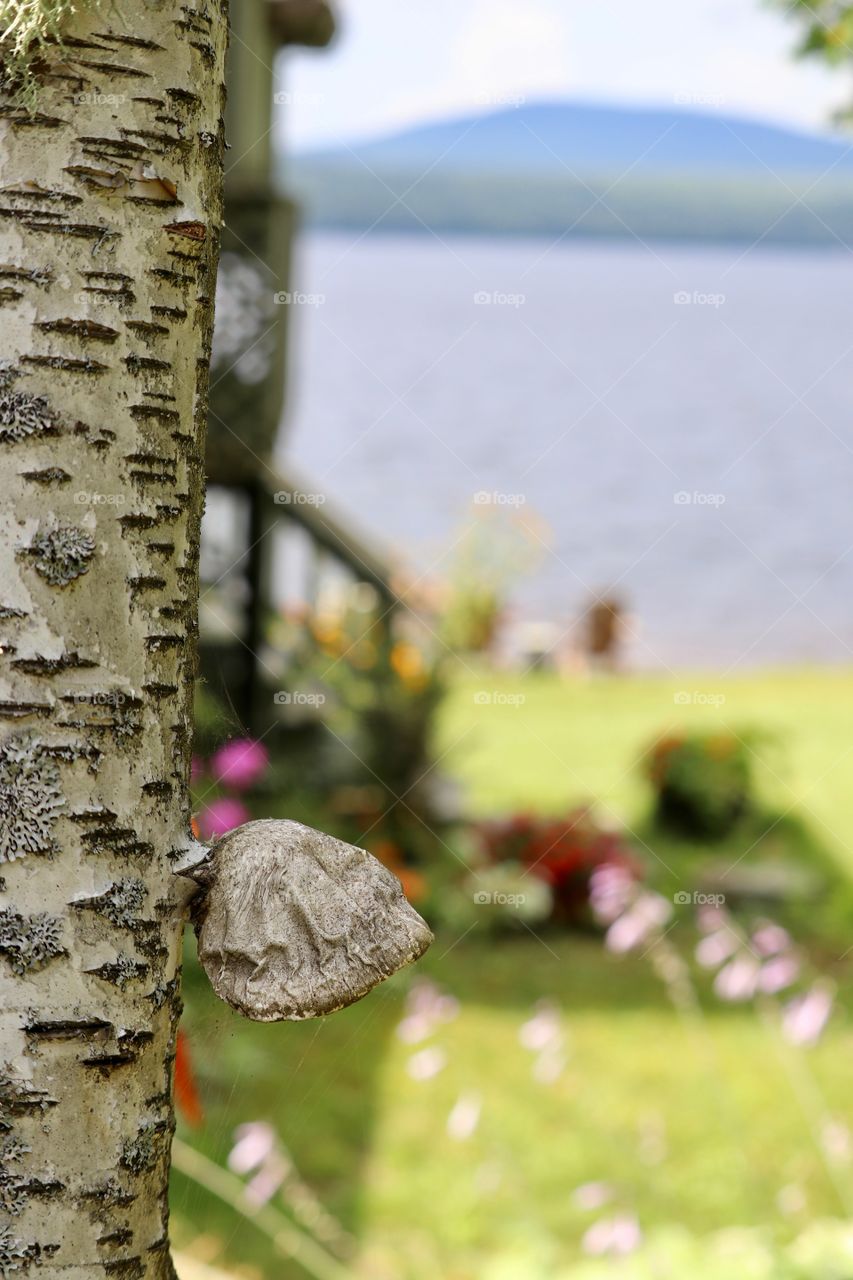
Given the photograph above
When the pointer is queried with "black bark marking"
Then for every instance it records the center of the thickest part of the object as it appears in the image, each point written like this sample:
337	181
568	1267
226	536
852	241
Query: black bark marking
37	665
119	841
121	971
147	328
136	42
22	710
69	1029
120	904
146	364
69	364
154	413
48	476
86	330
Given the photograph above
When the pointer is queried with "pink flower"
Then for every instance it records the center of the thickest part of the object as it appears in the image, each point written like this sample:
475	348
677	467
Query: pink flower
716	947
778	974
592	1195
256	1149
710	918
620	1235
611	890
738	980
645	918
805	1016
240	763
464	1118
543	1030
426	1063
769	939
221	816
263	1186
254	1144
427	1006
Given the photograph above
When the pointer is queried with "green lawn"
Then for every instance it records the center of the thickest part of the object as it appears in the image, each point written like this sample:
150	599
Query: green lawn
574	739
703	1123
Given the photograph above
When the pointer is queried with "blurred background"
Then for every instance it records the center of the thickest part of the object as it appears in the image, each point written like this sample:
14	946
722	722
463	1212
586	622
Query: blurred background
527	567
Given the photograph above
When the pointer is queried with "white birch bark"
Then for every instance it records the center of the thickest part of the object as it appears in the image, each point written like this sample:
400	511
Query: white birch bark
110	206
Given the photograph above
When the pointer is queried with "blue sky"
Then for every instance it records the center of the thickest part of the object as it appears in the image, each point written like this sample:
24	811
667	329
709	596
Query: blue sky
400	61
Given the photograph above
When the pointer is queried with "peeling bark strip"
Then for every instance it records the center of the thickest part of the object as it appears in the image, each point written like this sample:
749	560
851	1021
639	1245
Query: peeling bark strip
110	208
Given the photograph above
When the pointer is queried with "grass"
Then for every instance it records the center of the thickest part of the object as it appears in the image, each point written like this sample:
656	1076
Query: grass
708	1122
703	1123
571	739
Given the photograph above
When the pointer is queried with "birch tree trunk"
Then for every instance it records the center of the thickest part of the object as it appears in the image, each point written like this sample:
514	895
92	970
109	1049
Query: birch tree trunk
110	206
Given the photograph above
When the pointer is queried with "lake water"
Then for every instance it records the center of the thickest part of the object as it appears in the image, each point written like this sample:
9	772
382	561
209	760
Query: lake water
695	455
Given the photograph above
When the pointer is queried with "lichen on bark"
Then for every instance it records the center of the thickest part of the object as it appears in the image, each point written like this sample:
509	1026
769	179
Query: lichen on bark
30	799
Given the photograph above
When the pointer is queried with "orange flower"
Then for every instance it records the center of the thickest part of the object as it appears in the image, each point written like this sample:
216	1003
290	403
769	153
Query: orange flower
407	663
414	884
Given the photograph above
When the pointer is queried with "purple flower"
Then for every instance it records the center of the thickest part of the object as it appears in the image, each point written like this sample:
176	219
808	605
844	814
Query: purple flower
240	763
805	1017
222	815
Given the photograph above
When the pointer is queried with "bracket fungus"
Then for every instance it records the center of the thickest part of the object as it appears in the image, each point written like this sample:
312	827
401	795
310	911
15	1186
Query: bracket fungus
295	924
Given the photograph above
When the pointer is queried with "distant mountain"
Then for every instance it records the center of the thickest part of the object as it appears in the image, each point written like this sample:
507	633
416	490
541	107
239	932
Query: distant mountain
564	168
542	138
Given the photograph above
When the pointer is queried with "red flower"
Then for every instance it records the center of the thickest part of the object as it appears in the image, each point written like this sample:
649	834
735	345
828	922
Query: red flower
187	1097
